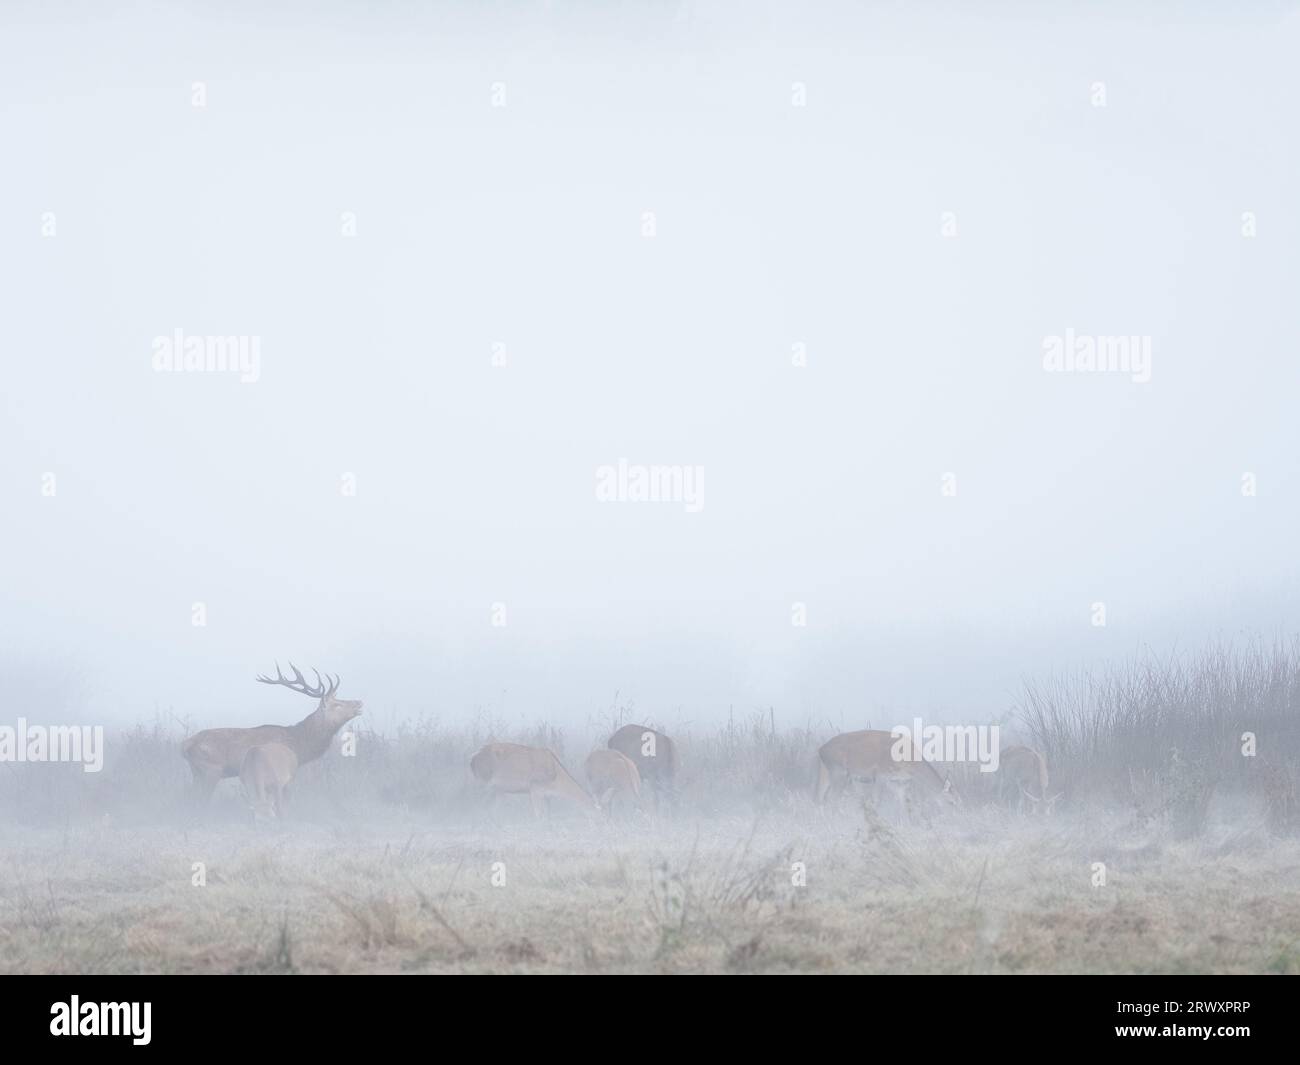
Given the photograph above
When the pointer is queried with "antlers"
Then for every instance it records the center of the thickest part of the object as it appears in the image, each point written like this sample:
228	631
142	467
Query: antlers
1050	800
299	682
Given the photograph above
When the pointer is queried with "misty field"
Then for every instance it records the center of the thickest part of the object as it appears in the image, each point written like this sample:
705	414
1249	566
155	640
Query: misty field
1175	854
987	893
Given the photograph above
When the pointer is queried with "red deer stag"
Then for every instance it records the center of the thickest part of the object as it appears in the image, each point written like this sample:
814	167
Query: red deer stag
216	753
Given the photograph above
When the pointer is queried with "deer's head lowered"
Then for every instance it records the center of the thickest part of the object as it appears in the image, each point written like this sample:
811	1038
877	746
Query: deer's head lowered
332	713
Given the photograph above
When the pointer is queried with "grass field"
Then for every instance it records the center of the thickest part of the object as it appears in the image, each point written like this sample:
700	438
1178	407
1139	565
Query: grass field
1173	855
985	891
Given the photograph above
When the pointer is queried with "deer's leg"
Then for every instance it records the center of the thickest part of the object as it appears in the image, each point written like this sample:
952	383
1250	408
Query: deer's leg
899	788
877	790
486	798
821	784
834	790
205	783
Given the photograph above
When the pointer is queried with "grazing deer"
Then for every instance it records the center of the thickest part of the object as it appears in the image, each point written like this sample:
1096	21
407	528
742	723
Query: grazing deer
514	769
265	774
1022	774
612	774
216	753
868	756
653	754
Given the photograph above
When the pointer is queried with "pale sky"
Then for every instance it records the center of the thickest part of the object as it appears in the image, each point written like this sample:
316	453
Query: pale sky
649	210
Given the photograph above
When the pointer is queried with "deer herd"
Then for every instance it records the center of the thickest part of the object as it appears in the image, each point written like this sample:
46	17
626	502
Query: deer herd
636	762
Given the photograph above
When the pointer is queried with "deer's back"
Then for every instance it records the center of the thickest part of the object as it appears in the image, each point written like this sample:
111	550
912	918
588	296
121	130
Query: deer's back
865	751
609	768
513	766
271	763
630	741
226	747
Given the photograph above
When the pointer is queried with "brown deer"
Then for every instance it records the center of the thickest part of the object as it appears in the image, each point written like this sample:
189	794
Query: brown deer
265	774
612	774
653	754
1022	777
513	769
216	753
868	756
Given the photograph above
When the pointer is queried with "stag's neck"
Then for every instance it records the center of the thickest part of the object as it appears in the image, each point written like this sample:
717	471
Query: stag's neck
312	735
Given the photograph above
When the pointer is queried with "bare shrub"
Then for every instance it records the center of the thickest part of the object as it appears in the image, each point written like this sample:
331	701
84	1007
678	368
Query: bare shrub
1178	724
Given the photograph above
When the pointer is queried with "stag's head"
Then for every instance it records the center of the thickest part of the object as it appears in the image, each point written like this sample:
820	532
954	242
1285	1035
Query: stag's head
336	712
